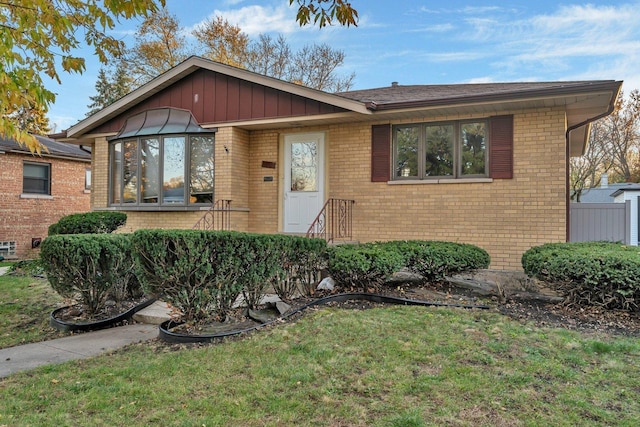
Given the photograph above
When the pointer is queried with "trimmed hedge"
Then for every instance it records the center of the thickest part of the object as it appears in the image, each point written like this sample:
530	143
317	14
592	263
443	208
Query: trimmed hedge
88	223
202	273
434	260
365	265
372	264
589	273
302	261
94	267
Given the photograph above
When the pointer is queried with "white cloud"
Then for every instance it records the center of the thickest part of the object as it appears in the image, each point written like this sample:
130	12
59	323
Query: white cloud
61	122
254	19
437	28
573	41
454	56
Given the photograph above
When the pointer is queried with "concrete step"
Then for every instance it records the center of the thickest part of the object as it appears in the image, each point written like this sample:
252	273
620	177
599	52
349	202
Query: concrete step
159	311
155	314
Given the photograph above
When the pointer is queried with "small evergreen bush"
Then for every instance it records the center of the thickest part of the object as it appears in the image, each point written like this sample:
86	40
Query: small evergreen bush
196	271
88	223
94	267
364	265
301	260
434	260
589	273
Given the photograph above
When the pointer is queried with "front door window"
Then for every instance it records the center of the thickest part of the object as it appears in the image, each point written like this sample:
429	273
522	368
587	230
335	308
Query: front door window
304	166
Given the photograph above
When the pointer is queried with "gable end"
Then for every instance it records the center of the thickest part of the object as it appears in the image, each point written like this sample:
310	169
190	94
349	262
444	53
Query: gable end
218	98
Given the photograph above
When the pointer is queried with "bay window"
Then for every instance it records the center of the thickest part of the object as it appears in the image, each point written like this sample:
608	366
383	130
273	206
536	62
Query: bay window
162	171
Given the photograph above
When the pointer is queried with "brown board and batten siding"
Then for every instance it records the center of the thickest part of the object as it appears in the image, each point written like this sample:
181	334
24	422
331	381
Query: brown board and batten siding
217	98
500	149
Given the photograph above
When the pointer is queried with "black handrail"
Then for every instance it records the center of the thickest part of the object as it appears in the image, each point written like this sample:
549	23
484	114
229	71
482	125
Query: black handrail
218	217
334	222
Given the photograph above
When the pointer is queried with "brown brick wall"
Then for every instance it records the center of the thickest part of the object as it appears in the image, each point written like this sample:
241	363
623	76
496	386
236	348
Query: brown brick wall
24	218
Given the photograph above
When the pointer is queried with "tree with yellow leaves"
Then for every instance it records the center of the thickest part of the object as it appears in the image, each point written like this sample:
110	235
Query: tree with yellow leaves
39	37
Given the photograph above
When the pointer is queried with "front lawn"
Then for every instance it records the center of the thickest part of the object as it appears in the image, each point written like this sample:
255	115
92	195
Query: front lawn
388	366
25	305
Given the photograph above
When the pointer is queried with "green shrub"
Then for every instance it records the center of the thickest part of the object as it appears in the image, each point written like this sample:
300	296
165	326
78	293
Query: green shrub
589	273
88	223
262	262
301	260
93	267
363	266
202	273
195	271
434	260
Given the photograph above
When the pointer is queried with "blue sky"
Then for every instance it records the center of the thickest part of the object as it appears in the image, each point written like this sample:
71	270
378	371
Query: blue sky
426	42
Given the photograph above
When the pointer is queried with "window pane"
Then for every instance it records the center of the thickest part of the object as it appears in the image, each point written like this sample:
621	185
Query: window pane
304	166
150	170
473	137
202	169
36	171
439	151
130	172
407	139
35	178
87	179
116	173
173	170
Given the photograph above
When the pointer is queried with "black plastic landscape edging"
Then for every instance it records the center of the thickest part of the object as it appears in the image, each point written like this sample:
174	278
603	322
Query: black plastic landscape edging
61	325
177	338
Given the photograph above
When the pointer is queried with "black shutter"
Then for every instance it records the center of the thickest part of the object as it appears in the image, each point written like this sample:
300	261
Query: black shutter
501	147
380	152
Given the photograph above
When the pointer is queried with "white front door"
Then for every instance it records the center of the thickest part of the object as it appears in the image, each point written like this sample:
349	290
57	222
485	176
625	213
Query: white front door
303	180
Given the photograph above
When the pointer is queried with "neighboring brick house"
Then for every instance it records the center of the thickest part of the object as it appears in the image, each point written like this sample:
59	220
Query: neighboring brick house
485	164
37	190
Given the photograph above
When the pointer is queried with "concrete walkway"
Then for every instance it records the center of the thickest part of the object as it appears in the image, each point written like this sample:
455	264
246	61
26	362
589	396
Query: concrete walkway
29	356
72	347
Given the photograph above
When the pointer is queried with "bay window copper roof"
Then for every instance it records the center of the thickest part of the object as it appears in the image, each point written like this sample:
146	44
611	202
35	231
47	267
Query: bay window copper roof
161	121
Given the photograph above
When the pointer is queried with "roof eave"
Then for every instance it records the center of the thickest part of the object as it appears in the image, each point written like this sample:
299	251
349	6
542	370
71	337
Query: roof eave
519	95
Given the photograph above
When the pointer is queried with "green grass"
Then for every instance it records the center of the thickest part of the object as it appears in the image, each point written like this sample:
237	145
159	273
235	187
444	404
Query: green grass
391	366
25	305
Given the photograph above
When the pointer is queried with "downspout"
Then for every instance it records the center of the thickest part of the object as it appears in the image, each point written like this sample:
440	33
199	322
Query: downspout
612	106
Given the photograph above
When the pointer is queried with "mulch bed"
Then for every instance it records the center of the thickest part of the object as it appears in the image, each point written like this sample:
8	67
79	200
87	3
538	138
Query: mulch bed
540	313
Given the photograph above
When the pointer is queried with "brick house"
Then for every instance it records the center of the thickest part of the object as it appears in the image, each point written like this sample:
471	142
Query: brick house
485	164
37	190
